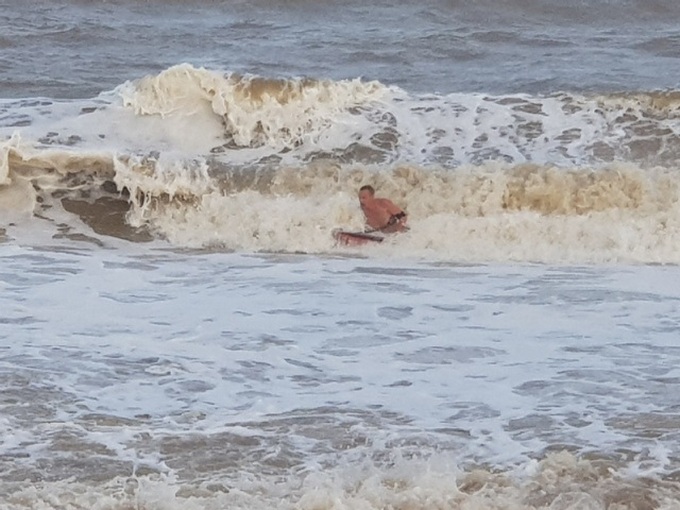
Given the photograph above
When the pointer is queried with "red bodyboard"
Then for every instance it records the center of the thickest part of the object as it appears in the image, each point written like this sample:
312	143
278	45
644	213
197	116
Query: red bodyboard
356	238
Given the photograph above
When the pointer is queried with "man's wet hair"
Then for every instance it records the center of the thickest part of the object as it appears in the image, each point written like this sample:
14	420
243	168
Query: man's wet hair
369	188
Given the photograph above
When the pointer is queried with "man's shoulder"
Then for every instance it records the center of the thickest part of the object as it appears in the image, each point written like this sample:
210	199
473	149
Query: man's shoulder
384	201
390	206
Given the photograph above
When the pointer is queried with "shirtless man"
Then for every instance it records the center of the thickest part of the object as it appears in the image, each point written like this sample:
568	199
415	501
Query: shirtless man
381	213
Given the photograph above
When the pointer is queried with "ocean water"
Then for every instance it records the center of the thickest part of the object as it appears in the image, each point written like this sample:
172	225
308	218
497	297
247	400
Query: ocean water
179	329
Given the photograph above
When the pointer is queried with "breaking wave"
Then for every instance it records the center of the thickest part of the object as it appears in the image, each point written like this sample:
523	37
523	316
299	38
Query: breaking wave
213	160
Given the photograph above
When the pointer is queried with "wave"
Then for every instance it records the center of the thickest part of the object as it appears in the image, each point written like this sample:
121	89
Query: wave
494	212
250	119
254	111
216	160
312	118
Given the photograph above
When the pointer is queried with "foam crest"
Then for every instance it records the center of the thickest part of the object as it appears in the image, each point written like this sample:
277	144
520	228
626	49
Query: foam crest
255	111
248	120
351	120
150	180
494	212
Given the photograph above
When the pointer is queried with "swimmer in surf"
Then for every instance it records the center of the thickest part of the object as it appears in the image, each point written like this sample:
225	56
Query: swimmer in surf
382	215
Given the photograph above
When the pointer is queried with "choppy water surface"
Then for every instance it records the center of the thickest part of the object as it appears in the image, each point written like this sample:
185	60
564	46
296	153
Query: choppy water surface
488	46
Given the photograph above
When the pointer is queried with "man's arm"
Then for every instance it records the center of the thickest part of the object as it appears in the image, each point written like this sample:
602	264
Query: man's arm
397	219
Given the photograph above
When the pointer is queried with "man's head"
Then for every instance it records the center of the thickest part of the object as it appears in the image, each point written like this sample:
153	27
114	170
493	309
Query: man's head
366	194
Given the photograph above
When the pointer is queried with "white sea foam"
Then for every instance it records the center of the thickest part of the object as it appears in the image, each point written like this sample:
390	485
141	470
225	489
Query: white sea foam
561	482
330	382
500	362
191	110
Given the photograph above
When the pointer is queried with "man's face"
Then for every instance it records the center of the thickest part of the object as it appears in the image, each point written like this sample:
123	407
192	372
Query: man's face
365	196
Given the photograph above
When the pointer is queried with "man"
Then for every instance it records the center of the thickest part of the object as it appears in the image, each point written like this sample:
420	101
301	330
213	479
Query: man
381	213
